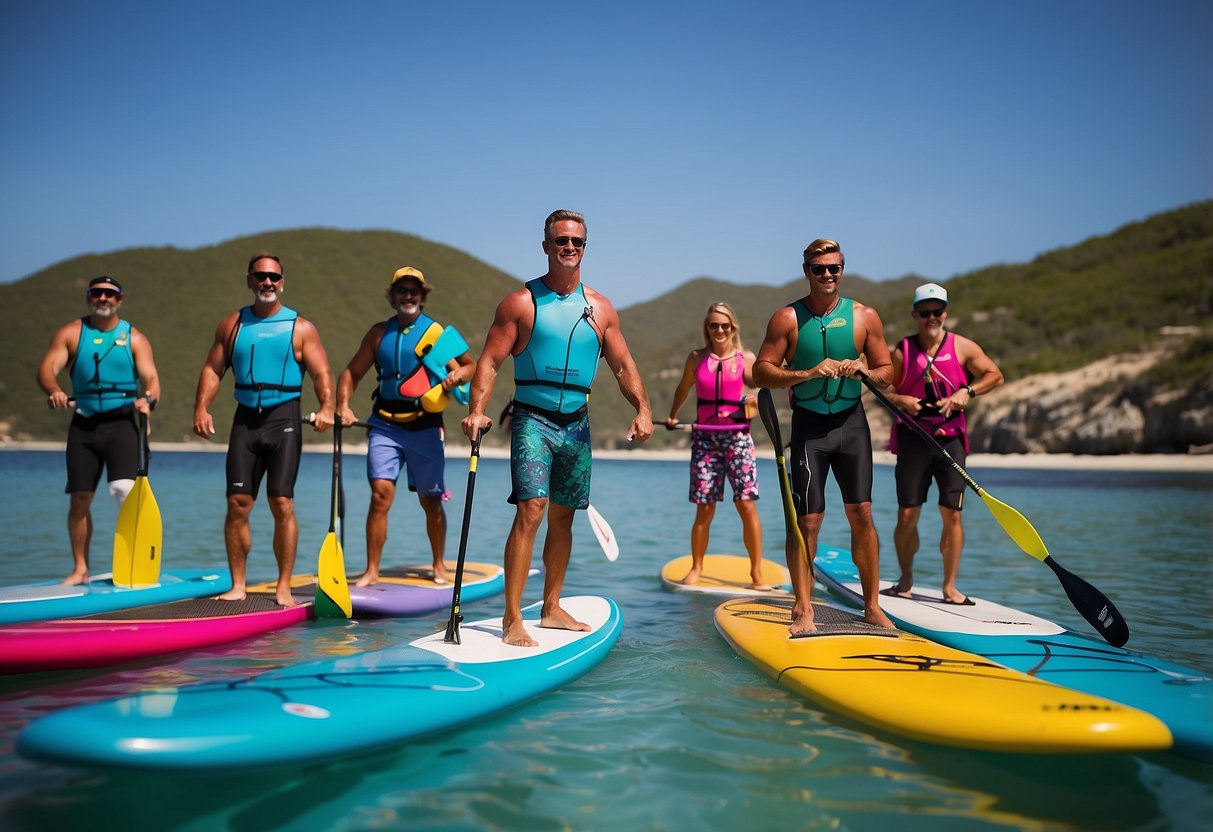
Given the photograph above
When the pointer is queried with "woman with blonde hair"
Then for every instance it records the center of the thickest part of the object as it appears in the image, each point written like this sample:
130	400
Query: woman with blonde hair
721	444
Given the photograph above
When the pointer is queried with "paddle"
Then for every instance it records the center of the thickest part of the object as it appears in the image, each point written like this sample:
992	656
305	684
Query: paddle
1092	604
679	426
139	534
770	420
332	586
602	531
452	626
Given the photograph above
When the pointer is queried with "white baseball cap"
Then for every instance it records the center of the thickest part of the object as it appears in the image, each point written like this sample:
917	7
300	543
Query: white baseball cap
930	291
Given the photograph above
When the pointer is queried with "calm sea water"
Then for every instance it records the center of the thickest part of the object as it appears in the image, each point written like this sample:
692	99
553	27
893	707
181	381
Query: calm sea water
673	731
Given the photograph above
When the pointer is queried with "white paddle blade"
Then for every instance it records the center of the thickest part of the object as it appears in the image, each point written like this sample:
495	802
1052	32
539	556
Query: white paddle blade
602	531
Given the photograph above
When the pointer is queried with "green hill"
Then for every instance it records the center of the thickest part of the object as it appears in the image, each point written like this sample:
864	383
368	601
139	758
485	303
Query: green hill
1108	295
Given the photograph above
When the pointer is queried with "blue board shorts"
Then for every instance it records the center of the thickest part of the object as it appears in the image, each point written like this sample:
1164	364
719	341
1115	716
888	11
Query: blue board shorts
550	460
421	452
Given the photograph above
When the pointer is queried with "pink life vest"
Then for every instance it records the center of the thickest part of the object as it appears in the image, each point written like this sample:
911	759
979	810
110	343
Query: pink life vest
720	387
945	376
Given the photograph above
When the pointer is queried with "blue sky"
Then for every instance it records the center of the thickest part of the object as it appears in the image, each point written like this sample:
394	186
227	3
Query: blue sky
705	138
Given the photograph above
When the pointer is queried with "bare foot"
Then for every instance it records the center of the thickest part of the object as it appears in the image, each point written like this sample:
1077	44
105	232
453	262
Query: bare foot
78	576
368	578
802	624
901	589
440	574
757	582
691	578
875	615
516	635
286	600
232	594
558	619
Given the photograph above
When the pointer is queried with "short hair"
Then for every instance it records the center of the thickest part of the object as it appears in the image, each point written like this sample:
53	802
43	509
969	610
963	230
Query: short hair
820	246
557	216
722	308
262	255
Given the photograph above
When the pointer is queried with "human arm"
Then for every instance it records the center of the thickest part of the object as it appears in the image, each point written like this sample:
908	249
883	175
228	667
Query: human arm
498	344
459	369
58	354
209	378
358	366
683	389
145	366
778	346
627	374
310	353
984	373
874	360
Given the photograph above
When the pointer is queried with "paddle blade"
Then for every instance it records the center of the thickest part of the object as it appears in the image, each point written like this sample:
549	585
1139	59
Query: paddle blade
1093	605
332	588
602	531
1016	526
138	536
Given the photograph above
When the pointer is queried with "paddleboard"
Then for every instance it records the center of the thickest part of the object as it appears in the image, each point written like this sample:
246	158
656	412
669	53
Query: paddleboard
408	591
328	709
1182	697
140	632
726	575
46	600
904	684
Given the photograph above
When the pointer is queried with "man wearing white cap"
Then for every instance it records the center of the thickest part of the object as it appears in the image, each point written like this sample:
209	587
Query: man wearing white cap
113	375
936	375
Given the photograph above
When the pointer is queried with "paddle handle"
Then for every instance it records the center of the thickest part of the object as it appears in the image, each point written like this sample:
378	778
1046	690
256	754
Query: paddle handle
452	625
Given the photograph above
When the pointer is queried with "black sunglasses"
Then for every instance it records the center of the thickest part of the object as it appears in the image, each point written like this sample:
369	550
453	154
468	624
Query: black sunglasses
273	277
937	312
577	242
819	269
103	293
407	290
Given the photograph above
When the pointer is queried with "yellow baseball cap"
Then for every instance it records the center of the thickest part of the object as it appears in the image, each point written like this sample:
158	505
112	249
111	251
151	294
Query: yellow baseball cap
407	271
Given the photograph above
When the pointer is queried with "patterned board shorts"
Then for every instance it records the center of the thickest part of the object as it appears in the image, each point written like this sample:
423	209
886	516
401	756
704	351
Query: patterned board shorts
717	453
549	460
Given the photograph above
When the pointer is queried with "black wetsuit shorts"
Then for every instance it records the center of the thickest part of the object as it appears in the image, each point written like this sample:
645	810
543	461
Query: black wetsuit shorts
918	463
110	439
265	442
824	442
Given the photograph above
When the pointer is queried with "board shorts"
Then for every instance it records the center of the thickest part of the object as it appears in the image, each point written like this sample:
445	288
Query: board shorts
109	439
264	442
824	442
422	453
548	459
918	463
716	454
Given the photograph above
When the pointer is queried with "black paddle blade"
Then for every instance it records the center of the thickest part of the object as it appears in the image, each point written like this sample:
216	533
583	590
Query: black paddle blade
1093	605
770	419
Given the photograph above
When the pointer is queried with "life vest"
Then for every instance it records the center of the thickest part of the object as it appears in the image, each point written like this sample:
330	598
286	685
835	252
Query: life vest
404	379
263	360
555	370
720	387
103	373
819	338
928	380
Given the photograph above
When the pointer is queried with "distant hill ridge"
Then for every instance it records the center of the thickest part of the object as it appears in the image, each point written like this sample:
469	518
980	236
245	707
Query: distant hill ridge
1109	295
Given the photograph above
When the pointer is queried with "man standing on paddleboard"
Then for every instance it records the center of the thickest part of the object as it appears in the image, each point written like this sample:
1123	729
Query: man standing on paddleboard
406	420
556	328
113	375
936	376
819	346
268	346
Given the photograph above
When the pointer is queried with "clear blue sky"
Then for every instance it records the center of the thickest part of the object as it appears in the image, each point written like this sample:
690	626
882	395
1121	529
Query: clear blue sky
705	138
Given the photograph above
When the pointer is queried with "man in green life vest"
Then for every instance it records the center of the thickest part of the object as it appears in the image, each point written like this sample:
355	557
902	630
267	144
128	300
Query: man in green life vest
556	328
418	372
268	347
818	347
113	375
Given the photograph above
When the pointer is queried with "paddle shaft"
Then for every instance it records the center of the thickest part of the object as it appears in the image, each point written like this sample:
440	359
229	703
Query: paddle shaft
770	421
452	625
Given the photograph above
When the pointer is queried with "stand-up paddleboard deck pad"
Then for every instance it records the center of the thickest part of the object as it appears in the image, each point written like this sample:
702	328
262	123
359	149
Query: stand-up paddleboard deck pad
140	632
1182	697
726	575
328	709
48	600
907	685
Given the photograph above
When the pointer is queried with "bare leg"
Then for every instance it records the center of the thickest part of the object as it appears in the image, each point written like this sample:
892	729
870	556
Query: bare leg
383	492
751	533
556	551
286	543
905	541
701	532
518	548
79	533
802	575
865	551
951	543
435	528
238	540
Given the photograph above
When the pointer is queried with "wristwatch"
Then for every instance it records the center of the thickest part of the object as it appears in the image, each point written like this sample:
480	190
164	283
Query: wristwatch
969	389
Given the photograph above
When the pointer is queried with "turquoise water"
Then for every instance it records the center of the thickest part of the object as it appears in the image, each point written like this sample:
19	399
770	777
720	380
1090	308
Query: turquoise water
673	731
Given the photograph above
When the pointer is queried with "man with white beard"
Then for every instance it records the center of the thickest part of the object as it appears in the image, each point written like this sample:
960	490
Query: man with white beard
268	346
113	375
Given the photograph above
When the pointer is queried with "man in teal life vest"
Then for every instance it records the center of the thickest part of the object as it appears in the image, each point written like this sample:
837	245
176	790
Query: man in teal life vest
556	328
818	346
113	375
406	426
268	346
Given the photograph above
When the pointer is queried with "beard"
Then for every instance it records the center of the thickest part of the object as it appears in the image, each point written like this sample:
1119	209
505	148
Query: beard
268	295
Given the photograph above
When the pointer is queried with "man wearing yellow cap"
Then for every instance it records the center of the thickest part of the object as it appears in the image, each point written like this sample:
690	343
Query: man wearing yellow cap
420	366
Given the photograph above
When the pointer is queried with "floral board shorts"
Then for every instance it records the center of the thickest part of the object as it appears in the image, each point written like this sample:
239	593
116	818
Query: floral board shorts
549	459
717	453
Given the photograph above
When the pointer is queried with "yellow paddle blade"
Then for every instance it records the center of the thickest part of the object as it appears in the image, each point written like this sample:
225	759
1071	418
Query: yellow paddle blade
138	538
1016	525
332	588
435	400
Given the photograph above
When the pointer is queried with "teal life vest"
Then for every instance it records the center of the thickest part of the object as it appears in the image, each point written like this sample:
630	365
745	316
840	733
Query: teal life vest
403	377
819	338
555	370
103	373
263	359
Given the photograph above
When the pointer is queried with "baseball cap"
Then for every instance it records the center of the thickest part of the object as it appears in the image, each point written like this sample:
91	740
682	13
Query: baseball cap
930	291
105	281
407	271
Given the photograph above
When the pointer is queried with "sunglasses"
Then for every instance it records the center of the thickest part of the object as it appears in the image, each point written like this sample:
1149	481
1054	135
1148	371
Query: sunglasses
721	327
103	293
577	242
937	312
818	269
407	290
261	277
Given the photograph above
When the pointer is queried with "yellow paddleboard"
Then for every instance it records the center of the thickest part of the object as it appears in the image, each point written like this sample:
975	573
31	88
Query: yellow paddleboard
726	575
907	685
